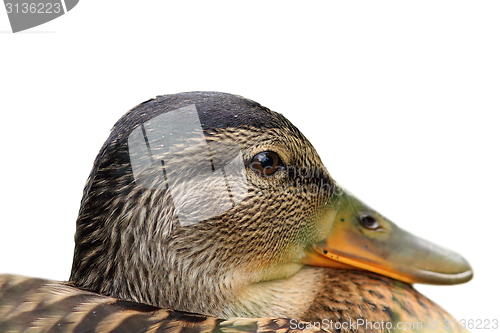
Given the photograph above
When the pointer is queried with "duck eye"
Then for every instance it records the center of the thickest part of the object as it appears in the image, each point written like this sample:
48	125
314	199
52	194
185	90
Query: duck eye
266	163
369	222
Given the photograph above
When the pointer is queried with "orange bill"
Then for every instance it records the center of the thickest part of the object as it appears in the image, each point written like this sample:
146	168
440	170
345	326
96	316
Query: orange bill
361	238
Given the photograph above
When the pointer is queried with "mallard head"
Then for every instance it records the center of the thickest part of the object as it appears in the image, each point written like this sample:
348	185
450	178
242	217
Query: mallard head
211	203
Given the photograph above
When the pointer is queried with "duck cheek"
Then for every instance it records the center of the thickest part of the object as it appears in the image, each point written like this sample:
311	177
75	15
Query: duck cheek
323	224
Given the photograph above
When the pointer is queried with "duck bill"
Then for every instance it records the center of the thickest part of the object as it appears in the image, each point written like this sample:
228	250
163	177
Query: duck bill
363	239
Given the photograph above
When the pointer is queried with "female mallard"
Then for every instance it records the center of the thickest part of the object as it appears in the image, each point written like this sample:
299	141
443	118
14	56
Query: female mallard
210	203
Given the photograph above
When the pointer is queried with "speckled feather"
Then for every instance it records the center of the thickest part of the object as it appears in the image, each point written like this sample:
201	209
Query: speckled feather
39	305
129	243
344	297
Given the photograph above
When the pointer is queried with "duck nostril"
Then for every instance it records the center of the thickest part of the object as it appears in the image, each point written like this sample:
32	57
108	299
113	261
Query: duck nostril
369	222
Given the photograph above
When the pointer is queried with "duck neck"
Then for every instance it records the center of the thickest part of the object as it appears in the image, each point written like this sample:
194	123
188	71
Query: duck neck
284	298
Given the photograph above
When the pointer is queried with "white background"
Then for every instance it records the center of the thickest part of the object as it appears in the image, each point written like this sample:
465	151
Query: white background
401	100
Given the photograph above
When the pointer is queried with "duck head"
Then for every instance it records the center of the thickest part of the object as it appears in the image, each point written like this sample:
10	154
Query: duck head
211	203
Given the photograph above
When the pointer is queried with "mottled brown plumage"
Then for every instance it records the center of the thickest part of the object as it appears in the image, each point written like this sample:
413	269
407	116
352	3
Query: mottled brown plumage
344	297
250	260
349	296
130	244
39	305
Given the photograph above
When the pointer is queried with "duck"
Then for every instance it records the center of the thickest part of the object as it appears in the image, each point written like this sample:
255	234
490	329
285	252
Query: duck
207	211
